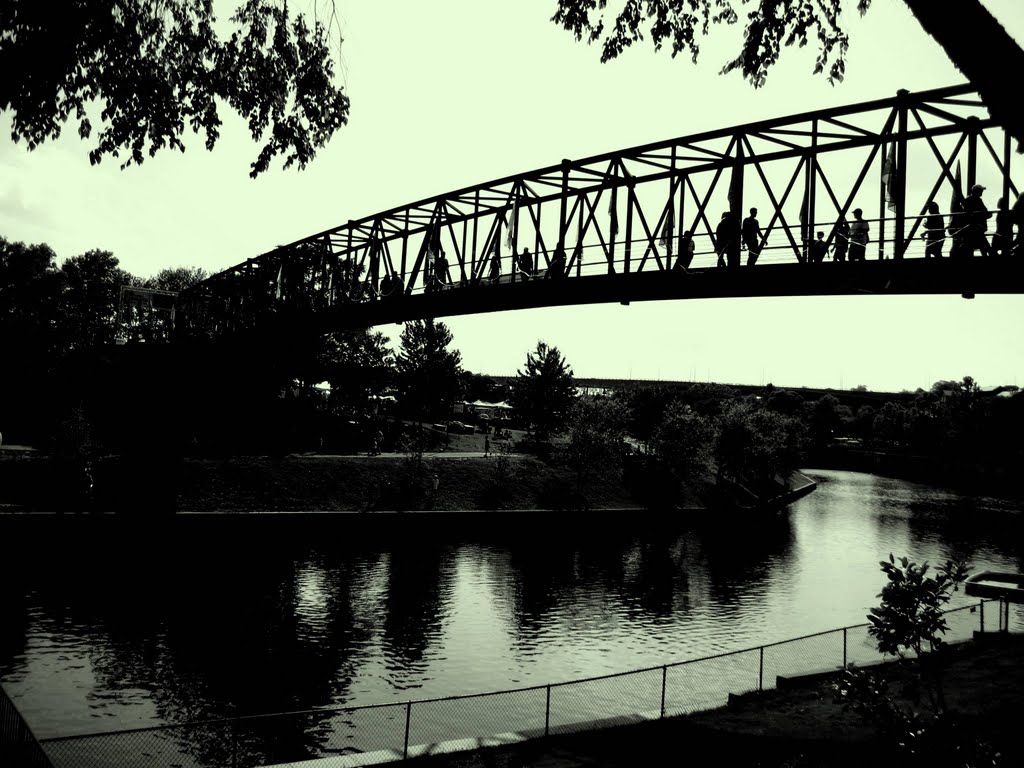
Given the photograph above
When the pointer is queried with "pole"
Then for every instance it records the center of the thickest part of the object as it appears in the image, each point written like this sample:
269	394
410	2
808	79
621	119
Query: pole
547	712
408	718
760	671
664	680
981	606
844	647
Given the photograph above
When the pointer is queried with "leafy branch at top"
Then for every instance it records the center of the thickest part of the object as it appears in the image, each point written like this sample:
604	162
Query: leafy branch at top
155	67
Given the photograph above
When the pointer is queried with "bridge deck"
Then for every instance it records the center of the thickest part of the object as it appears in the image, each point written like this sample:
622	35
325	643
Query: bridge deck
889	277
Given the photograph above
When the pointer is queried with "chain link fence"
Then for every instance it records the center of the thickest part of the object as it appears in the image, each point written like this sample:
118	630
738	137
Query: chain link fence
364	735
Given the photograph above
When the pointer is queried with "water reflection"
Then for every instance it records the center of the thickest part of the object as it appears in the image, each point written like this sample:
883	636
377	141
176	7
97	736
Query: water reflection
190	627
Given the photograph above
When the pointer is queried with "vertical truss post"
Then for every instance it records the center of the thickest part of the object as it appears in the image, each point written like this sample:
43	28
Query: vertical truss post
671	207
563	204
579	236
476	219
901	173
881	197
613	224
405	248
681	221
515	228
1006	165
972	153
349	261
738	214
630	195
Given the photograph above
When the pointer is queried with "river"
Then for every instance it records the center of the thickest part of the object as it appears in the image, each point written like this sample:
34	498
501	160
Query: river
102	635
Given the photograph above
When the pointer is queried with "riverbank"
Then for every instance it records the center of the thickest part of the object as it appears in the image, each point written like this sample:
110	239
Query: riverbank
796	725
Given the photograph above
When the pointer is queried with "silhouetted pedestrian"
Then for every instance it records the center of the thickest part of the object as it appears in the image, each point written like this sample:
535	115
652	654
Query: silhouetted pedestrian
842	239
434	483
934	232
495	269
1017	213
1002	240
752	237
977	222
487	446
526	263
859	236
727	237
557	266
686	249
441	268
818	249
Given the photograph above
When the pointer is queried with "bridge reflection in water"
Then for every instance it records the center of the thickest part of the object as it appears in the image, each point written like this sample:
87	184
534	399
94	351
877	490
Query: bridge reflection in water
612	228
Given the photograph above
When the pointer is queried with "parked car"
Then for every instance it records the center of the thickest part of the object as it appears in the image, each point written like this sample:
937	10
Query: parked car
459	428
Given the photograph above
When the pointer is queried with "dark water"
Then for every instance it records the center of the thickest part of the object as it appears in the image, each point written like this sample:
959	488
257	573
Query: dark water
139	627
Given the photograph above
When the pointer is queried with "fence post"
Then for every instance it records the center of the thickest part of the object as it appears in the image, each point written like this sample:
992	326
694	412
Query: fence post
547	711
408	717
664	680
844	647
981	608
760	671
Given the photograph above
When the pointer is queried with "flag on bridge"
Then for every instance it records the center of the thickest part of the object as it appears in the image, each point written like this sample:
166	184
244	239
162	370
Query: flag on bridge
511	224
613	217
668	229
805	217
889	172
956	202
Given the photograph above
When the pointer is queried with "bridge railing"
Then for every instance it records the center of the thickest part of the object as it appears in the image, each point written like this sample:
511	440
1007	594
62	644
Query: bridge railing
777	248
346	736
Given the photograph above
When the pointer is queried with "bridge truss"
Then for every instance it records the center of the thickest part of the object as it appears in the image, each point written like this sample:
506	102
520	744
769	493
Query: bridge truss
617	220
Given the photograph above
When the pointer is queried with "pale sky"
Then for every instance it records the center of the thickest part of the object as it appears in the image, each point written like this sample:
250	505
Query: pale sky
456	92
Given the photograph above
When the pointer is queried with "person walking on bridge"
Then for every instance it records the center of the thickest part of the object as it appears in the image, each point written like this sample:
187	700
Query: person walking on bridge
842	239
526	264
934	228
727	240
859	236
977	222
686	249
752	237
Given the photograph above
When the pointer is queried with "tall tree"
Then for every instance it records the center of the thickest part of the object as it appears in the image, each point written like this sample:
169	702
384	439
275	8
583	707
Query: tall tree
686	441
30	338
92	284
428	372
359	366
543	394
974	41
597	432
176	279
154	67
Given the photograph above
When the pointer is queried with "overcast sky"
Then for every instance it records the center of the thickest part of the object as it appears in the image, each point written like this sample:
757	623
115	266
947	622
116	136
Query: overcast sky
455	92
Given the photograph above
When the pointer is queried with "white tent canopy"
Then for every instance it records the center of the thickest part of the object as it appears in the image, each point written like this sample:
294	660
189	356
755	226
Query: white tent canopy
483	404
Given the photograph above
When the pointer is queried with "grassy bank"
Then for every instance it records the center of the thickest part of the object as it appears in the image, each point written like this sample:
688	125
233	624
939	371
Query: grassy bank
318	483
794	727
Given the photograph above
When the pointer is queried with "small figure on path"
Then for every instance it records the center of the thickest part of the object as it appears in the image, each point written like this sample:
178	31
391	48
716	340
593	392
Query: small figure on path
487	446
433	489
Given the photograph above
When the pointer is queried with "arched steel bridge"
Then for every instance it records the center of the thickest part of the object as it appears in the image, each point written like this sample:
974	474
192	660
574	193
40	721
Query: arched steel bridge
617	219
